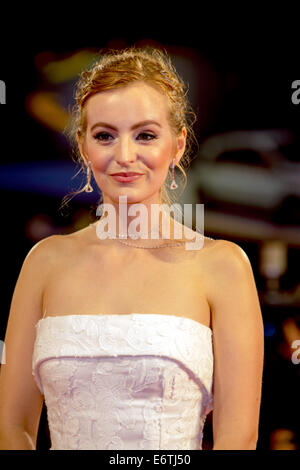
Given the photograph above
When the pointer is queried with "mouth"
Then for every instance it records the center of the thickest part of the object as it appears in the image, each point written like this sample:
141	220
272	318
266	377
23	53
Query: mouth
126	177
129	173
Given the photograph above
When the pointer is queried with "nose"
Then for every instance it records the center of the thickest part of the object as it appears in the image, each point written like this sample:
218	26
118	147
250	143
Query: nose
124	151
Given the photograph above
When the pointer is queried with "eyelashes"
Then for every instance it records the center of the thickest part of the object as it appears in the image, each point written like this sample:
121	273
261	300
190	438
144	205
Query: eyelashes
105	136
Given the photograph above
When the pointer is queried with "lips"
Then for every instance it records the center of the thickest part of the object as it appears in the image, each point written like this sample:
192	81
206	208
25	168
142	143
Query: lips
126	177
124	174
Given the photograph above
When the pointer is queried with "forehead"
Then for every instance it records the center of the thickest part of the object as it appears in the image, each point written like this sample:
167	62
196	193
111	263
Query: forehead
131	103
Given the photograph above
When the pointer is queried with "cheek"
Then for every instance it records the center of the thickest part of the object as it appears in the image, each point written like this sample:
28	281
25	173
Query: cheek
98	155
159	156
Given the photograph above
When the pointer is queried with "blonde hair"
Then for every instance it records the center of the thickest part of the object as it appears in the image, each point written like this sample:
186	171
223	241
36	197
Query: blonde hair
118	68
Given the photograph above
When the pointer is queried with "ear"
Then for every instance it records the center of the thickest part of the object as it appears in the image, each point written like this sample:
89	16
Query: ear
80	143
180	145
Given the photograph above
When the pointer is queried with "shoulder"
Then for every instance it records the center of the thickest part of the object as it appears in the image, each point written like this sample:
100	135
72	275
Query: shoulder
227	255
48	251
228	269
45	248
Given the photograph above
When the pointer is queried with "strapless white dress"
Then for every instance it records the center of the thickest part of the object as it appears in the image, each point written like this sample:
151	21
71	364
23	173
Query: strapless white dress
124	382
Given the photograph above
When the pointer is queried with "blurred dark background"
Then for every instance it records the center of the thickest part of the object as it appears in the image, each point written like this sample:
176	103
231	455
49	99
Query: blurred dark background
246	170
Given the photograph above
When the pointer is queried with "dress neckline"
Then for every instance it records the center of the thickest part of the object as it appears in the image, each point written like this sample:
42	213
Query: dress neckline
126	315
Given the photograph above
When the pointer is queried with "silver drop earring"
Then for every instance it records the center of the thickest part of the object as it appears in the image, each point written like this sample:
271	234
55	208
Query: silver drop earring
88	188
173	184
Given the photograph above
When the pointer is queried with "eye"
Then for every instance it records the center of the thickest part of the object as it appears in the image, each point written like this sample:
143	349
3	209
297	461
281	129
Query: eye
103	136
146	136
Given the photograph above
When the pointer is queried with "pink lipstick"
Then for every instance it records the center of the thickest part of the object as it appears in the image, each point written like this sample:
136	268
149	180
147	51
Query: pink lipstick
123	177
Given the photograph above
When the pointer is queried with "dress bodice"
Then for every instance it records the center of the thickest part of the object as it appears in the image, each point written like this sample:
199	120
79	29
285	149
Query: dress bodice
125	382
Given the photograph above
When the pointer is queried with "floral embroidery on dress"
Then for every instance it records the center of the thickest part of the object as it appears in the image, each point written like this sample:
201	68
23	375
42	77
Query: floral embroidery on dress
125	382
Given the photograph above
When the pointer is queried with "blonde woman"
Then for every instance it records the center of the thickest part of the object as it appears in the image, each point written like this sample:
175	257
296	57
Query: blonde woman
132	342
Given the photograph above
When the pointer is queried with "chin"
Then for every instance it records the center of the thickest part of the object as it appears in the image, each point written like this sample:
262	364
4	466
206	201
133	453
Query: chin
132	197
133	193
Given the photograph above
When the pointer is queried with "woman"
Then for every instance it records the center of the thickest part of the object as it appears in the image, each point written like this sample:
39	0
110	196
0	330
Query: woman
131	343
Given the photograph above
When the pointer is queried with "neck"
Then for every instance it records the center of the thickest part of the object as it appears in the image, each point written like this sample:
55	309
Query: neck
147	220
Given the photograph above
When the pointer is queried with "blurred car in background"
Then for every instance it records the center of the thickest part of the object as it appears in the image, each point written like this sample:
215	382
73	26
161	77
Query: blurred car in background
251	173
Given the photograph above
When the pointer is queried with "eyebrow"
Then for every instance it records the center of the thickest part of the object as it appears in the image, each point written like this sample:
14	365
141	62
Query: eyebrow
135	126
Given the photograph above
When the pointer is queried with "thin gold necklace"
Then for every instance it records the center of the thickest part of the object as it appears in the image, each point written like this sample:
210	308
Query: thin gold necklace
120	240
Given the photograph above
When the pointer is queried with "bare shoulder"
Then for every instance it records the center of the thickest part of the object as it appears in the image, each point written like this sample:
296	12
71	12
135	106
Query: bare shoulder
227	268
46	249
225	255
48	252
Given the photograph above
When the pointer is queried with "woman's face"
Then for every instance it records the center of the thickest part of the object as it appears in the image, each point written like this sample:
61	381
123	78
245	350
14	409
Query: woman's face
128	131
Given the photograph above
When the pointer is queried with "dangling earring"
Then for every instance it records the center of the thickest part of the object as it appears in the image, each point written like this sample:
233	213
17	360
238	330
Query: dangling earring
88	188
173	184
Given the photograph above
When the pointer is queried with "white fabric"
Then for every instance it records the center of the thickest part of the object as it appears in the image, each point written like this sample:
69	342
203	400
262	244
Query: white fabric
132	382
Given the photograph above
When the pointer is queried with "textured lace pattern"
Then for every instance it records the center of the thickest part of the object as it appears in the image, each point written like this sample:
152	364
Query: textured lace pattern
124	382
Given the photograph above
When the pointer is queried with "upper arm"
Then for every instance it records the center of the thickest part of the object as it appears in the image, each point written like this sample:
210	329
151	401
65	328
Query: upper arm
20	400
238	342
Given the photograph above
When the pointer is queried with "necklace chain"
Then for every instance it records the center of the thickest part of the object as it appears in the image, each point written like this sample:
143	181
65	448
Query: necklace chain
149	247
121	240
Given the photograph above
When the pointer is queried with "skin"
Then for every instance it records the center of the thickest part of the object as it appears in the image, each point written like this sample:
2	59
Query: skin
218	289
